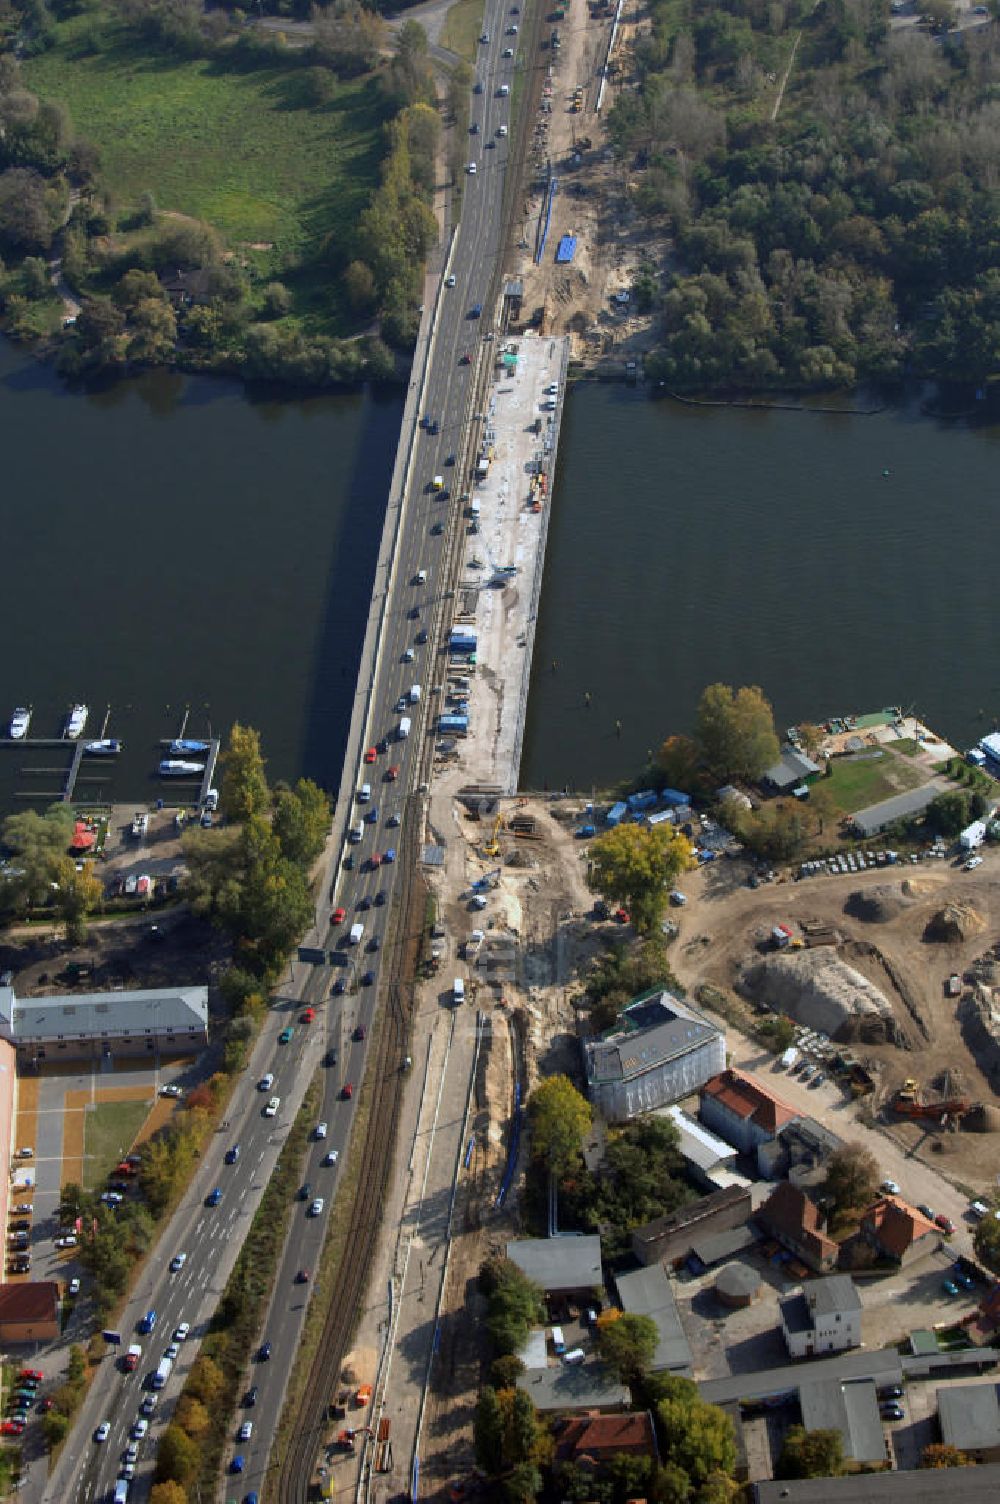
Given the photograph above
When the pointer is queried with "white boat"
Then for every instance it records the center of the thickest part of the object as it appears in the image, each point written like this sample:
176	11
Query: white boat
106	748
183	748
19	723
172	767
75	721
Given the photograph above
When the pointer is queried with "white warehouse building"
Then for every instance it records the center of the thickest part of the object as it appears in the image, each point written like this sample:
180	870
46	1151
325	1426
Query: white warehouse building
660	1051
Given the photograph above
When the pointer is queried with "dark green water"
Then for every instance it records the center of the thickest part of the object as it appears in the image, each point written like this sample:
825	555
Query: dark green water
169	543
692	545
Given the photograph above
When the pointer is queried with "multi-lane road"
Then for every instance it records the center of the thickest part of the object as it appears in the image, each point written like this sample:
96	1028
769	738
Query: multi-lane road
407	653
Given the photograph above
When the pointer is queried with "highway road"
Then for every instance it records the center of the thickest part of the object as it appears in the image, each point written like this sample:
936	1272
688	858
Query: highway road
210	1236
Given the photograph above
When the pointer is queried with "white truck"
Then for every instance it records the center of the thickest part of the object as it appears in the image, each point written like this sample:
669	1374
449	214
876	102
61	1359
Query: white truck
357	933
790	1059
162	1373
404	728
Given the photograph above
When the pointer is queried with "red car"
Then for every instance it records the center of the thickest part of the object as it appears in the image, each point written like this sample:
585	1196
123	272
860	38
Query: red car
466	359
46	1404
12	1428
391	774
370	755
621	916
348	1089
338	916
309	1015
360	1032
302	1278
945	1223
31	1373
375	860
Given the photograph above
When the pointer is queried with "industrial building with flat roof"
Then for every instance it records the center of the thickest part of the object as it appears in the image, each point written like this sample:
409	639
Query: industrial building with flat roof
969	1416
659	1051
559	1264
96	1024
647	1292
964	1485
868	822
672	1237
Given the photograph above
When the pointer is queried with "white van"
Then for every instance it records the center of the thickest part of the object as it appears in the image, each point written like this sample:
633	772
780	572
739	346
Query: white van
414	694
365	793
575	1355
121	1491
357	833
357	933
458	990
404	728
558	1340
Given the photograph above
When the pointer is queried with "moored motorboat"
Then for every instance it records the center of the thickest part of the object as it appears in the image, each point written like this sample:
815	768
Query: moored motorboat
181	747
104	748
19	723
172	767
75	721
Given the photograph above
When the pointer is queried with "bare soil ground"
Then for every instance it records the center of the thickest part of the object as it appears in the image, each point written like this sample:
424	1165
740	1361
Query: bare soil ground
725	921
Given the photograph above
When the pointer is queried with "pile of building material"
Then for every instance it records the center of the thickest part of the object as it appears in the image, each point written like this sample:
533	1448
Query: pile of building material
816	988
954	923
979	1016
877	905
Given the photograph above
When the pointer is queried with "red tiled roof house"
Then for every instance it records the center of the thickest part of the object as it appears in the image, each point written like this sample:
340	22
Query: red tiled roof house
591	1439
897	1230
740	1109
789	1216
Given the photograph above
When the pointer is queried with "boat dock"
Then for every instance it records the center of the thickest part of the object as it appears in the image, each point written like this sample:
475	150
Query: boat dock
206	782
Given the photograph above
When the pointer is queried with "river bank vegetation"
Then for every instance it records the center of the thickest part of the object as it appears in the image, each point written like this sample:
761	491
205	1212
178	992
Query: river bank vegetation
213	195
836	227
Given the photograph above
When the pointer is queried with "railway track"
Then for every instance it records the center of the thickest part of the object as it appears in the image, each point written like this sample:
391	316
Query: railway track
365	1213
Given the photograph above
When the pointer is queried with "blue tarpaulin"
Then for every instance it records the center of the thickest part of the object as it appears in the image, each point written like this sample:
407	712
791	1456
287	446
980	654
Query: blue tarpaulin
566	249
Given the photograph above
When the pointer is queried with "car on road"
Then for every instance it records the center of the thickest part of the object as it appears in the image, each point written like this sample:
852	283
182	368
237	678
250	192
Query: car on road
889	1187
449	281
349	861
266	1082
171	1091
363	903
338	916
471	169
360	1032
961	1278
308	1016
285	1037
379	898
177	1262
149	1404
370	755
375	860
305	1191
302	1278
172	1353
394	820
339	987
475	311
945	1223
391	774
485	38
131	1454
181	1331
139	1428
316	1207
214	1197
348	1090
264	1352
67	1241
473	131
478	87
233	1154
236	1466
319	1131
13	1428
949	1287
373	943
507	52
408	655
330	1158
73	1288
271	1110
368	979
501	130
250	1398
103	1431
246	1431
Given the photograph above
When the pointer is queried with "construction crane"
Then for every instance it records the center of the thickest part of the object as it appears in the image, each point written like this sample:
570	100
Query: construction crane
492	846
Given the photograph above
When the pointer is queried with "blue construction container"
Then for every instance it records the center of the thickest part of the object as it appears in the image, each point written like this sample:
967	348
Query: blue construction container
454	725
645	799
674	797
566	250
616	814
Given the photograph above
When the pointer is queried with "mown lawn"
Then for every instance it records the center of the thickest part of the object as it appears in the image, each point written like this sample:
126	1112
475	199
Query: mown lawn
109	1132
240	147
462	28
856	782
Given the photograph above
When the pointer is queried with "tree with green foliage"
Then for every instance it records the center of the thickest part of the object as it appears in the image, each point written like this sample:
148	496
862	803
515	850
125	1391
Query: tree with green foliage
301	821
734	730
986	1242
852	1176
636	866
76	895
505	1371
37	844
244	790
811	1454
522	1483
514	1304
487	1432
168	1492
560	1120
627	1345
177	1457
522	1430
694	1436
948	814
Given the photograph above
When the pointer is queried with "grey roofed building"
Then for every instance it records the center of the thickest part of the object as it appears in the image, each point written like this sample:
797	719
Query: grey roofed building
723	1245
883	1365
793	767
850	1407
93	1022
702	1150
969	1415
574	1386
647	1292
566	1263
970	1485
835	1294
877	816
659	1051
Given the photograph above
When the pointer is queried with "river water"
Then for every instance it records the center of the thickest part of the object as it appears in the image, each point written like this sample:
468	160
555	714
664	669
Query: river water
170	544
843	563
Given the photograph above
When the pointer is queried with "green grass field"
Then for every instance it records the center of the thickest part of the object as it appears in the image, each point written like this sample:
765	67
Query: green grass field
857	782
241	148
109	1128
462	27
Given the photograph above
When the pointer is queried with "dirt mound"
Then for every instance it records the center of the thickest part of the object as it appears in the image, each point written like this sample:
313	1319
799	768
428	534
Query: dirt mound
954	923
979	1017
877	905
816	988
983	1118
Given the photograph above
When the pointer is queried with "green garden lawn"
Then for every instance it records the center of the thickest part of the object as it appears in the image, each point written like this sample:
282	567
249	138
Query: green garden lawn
109	1132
